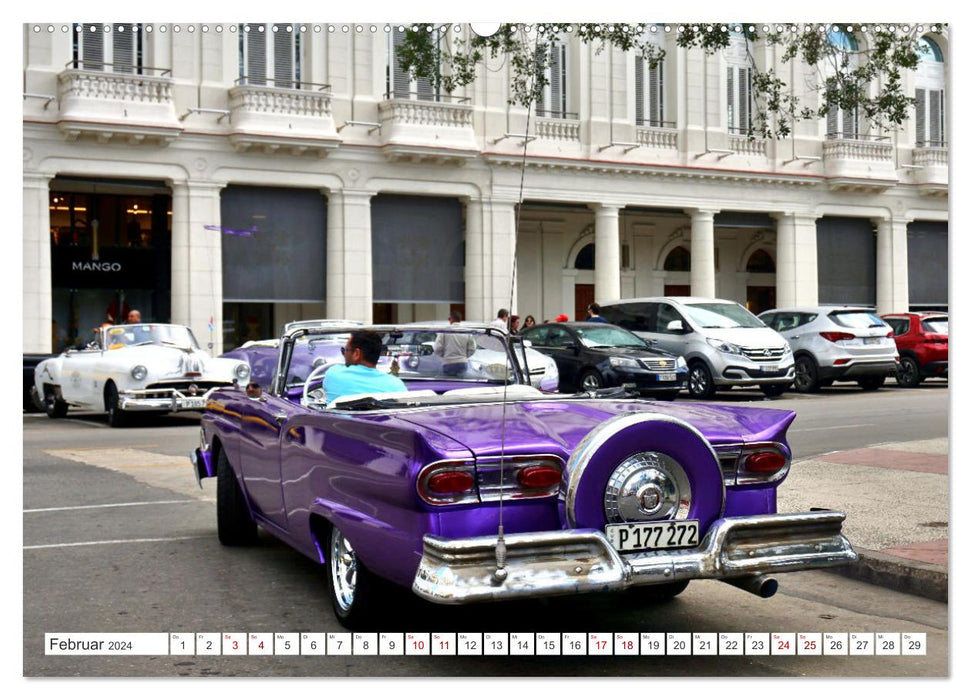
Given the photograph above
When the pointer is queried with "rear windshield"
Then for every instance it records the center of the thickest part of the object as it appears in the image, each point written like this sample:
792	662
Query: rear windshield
857	319
935	325
720	315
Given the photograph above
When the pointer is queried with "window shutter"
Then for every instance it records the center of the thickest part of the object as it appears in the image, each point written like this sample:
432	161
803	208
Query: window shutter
255	55
556	81
731	98
849	123
123	49
654	89
920	112
92	48
744	106
639	97
282	57
936	98
400	84
832	122
541	98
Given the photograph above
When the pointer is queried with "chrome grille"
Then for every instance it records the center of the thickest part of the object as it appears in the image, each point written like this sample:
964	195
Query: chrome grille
764	354
660	365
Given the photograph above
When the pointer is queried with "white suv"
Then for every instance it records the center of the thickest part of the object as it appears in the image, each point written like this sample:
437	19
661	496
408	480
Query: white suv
722	342
836	343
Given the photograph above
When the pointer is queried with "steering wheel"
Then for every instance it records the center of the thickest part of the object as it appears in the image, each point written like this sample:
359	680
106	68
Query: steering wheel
315	375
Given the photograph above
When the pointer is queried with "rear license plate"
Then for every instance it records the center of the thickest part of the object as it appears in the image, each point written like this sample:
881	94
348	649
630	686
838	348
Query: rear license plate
665	534
872	341
194	402
668	377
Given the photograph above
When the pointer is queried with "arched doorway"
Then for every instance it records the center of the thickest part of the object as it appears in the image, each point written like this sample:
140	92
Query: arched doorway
759	295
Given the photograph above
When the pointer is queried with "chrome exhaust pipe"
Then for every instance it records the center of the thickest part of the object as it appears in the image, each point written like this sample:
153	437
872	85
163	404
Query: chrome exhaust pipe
762	586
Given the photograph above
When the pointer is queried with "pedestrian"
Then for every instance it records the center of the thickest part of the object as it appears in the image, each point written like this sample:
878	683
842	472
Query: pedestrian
593	314
455	349
134	316
501	320
562	318
514	324
529	322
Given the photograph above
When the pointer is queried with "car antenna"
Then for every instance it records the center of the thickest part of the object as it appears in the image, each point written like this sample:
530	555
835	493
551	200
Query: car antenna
500	574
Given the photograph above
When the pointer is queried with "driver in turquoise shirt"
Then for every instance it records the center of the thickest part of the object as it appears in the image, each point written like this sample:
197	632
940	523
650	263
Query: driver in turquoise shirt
359	374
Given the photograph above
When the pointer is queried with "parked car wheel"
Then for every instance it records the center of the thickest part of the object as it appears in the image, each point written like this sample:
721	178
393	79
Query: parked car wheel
591	380
872	383
909	373
658	593
233	521
54	407
117	418
807	374
700	383
354	591
773	390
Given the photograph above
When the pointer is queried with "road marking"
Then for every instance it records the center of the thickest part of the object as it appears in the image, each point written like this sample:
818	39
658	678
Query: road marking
100	542
113	505
833	427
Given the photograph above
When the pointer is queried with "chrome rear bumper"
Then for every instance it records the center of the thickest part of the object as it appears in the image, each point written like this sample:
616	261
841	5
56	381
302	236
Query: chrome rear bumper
579	561
162	400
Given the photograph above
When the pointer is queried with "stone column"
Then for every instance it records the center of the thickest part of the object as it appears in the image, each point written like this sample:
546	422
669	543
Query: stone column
606	278
335	255
358	286
475	279
893	294
500	234
796	274
702	252
197	274
38	301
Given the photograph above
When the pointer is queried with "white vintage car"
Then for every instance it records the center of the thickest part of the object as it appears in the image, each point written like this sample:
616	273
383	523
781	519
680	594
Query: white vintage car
141	367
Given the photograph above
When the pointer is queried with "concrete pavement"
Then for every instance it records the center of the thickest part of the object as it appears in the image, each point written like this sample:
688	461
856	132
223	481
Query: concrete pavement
895	497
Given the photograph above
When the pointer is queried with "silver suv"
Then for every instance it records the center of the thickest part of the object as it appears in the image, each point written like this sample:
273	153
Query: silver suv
836	343
722	342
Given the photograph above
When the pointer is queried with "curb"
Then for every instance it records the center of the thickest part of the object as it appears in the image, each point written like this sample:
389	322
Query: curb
904	575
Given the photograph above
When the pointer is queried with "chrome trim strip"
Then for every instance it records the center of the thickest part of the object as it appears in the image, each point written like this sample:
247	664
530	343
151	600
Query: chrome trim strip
577	561
142	400
596	438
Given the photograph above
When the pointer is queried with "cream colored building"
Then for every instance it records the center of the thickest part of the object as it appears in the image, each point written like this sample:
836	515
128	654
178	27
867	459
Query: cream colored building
248	175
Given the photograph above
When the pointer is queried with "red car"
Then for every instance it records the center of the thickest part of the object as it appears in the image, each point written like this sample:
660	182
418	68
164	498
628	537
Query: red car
922	344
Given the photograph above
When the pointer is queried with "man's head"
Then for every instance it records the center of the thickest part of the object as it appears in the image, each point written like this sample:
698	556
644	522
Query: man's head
134	316
503	314
455	317
363	348
593	310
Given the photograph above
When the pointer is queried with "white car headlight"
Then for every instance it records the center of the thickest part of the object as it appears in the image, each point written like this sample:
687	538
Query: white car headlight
624	362
552	371
680	363
241	372
724	346
787	349
139	372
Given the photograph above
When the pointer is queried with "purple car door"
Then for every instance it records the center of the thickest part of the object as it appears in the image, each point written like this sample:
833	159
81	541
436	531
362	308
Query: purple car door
259	450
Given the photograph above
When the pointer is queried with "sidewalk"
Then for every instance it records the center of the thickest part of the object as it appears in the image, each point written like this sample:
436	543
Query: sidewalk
895	497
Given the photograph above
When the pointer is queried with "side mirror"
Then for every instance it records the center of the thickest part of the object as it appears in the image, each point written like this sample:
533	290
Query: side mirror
426	350
527	343
676	326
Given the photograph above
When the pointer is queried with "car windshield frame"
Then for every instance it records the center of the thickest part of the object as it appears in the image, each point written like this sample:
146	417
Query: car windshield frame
487	338
588	336
856	319
711	314
136	334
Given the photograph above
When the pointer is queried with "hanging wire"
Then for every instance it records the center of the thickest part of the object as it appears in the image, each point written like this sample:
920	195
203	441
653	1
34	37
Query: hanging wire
499	575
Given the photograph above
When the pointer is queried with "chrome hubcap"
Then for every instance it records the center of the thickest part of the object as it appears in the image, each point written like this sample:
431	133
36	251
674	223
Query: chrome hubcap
591	382
803	375
647	486
698	381
343	570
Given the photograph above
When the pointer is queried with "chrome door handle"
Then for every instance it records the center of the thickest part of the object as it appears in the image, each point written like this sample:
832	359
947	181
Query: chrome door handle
281	418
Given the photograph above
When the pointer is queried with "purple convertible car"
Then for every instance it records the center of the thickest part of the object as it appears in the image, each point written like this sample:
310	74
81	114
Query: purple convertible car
480	487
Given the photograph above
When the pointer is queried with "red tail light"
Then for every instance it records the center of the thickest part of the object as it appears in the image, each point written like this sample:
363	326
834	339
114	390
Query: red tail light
890	334
765	462
833	336
447	483
538	477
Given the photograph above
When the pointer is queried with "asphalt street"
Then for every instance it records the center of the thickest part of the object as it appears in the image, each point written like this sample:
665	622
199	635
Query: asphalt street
119	538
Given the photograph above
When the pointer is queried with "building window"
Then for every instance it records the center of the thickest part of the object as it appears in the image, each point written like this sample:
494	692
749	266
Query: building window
117	51
649	88
929	92
844	123
678	260
586	258
739	84
760	261
269	54
400	85
554	100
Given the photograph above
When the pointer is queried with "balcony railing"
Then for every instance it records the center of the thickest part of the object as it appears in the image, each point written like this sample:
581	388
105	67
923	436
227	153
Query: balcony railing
425	97
655	137
269	117
858	149
135	106
861	164
307	100
417	130
558	129
747	145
